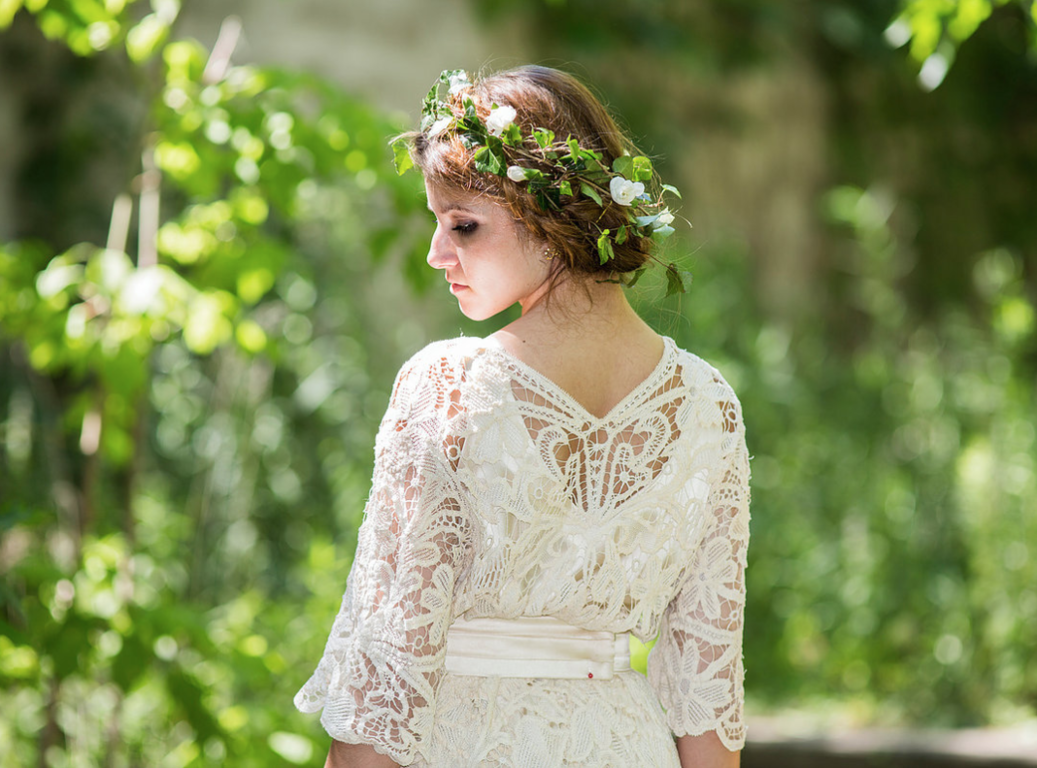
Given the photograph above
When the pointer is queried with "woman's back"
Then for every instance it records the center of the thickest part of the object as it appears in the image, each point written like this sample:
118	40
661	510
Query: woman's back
600	355
620	522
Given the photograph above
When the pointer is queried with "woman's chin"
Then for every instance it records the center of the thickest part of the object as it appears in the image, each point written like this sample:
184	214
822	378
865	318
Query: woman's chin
477	312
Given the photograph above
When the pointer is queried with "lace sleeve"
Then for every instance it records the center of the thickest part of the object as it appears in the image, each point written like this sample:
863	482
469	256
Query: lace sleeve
696	664
378	677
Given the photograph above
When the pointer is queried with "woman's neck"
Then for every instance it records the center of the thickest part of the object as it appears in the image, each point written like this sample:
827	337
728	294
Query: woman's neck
576	308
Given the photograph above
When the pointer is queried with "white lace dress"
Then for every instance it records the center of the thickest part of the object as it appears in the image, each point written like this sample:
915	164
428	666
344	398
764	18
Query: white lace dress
495	494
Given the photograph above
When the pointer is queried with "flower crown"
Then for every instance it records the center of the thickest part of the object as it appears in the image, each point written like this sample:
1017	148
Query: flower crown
552	170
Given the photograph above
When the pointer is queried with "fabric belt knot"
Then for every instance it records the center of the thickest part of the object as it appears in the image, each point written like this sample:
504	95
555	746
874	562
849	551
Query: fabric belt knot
534	646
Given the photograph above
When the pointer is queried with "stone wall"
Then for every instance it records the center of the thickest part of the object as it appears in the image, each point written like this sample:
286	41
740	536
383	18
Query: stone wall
388	52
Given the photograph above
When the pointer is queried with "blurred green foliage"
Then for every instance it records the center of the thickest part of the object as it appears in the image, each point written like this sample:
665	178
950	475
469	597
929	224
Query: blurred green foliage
176	431
186	431
90	26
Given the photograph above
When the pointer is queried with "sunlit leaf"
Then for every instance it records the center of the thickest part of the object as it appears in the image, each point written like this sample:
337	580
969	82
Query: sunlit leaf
144	39
18	662
207	324
401	156
250	336
254	283
179	159
291	746
487	161
605	252
8	8
642	169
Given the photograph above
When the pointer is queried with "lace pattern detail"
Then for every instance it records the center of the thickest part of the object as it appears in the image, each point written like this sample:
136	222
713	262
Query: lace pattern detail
384	658
496	494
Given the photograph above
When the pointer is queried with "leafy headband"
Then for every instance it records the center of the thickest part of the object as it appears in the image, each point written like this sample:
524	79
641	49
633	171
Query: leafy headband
552	170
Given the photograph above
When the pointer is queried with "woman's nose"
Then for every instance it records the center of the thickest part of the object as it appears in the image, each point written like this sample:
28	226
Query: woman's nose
441	251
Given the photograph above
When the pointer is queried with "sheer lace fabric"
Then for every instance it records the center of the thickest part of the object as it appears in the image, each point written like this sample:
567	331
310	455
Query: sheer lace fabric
496	494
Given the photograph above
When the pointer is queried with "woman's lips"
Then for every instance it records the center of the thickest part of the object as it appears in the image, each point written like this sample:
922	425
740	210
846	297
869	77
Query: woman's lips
456	287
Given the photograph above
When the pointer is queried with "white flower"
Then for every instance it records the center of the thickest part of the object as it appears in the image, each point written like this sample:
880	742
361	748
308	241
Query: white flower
439	126
516	174
664	219
624	191
499	119
458	82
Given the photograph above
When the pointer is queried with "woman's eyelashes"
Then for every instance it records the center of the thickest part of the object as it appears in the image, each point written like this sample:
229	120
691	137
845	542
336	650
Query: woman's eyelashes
465	228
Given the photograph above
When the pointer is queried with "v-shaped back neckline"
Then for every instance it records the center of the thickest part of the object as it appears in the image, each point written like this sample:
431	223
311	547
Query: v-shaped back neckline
579	408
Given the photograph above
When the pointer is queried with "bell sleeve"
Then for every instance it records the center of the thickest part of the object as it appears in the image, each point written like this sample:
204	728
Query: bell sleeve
384	658
696	664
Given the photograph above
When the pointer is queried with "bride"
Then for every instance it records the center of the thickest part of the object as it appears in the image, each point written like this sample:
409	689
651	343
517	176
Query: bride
542	494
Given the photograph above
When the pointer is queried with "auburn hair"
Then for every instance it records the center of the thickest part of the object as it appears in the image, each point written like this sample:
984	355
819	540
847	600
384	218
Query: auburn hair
542	98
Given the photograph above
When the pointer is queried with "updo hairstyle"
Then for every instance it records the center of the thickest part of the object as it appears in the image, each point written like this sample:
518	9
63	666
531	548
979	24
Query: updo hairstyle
542	98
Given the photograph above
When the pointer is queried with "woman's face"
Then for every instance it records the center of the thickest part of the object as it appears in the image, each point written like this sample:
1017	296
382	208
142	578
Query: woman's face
489	262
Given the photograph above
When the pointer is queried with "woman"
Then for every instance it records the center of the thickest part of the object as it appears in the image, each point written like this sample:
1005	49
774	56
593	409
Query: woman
541	493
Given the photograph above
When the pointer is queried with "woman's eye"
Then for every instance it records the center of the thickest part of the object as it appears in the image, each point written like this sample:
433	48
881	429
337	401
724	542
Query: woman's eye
467	228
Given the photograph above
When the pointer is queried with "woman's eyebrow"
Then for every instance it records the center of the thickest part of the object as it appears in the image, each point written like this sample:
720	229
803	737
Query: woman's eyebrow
452	207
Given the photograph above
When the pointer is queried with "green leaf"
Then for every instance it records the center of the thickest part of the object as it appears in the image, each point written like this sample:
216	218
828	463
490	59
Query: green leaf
621	235
642	168
565	188
589	191
401	156
512	135
543	200
635	276
677	281
605	252
673	189
592	161
446	74
487	161
429	105
574	148
624	166
544	137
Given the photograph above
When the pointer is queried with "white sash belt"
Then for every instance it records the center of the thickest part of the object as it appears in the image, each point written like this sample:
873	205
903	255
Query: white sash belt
534	646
